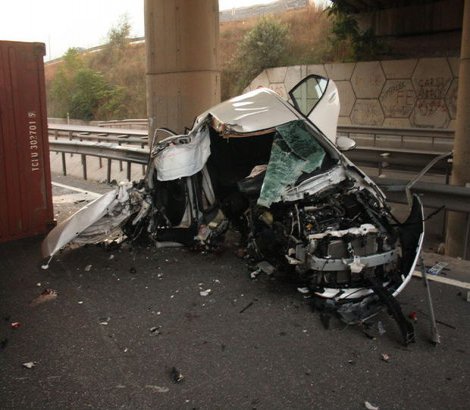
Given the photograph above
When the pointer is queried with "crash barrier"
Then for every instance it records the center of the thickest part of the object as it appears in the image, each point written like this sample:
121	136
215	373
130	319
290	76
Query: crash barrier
109	151
92	133
440	140
137	123
437	140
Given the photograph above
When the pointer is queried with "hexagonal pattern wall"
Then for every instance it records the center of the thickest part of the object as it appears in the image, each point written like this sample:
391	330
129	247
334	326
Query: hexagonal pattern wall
394	93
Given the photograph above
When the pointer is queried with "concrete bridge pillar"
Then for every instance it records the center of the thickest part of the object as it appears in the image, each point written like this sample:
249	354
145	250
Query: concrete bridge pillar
457	230
183	77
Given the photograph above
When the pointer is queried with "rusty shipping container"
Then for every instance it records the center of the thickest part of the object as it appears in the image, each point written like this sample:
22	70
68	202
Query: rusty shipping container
25	180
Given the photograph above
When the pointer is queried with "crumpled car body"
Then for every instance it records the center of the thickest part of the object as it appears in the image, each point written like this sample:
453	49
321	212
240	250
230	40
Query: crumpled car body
273	170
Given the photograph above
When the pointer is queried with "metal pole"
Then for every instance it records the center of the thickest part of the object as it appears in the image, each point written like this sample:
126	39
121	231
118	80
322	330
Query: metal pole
435	337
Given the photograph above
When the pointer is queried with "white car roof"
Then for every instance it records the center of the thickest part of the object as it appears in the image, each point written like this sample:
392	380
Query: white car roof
256	110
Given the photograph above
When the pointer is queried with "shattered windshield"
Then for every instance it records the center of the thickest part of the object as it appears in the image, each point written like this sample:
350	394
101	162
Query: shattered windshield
295	152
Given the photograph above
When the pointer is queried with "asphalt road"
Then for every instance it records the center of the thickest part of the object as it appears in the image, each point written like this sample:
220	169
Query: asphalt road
117	328
124	318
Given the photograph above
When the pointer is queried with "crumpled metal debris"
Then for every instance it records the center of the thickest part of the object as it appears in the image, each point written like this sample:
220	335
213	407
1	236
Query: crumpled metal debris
370	406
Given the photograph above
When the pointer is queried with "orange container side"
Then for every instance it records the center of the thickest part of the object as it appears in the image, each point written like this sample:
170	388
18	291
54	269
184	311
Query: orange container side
25	176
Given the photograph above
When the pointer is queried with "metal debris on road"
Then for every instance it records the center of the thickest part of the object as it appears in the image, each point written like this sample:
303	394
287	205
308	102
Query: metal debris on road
176	375
303	290
104	321
155	331
206	292
370	406
88	268
29	365
385	357
437	268
247	307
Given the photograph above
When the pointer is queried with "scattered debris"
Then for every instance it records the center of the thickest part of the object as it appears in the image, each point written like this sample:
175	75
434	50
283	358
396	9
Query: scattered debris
247	307
437	268
385	357
126	350
88	268
104	321
15	325
304	290
266	267
45	266
206	292
111	257
413	316
29	365
155	331
176	375
45	296
370	406
157	389
38	284
80	302
255	273
380	328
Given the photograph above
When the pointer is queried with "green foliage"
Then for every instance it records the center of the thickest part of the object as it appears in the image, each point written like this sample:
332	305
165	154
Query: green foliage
82	92
262	47
118	36
358	45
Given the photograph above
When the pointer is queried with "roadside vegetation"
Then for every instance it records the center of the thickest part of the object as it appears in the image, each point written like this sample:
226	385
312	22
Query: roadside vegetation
110	83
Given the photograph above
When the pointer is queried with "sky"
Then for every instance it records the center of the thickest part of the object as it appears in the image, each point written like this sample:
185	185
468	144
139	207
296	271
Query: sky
62	24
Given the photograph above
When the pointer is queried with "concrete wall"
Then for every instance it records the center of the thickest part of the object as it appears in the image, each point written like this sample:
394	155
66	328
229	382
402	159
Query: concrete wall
419	93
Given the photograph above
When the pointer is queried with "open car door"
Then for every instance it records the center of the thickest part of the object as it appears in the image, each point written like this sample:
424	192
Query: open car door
317	99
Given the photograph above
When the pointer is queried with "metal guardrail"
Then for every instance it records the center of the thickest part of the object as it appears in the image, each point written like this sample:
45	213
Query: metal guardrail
90	133
109	151
437	140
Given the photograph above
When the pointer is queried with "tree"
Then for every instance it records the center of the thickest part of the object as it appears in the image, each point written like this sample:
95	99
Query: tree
262	47
82	92
360	45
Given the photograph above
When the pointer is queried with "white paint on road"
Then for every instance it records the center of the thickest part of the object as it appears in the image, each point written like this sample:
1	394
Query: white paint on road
72	188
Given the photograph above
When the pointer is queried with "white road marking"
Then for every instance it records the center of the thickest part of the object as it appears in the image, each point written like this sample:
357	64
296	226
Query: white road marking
447	281
72	188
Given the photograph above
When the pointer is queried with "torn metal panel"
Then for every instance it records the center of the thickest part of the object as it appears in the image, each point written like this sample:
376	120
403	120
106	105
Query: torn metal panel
87	216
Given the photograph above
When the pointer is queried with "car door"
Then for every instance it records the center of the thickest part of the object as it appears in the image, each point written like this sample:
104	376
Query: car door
317	99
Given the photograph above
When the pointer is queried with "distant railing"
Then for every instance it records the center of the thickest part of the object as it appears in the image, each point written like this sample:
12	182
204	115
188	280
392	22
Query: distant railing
437	140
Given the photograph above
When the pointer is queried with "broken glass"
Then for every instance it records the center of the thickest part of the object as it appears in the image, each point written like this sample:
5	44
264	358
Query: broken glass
294	152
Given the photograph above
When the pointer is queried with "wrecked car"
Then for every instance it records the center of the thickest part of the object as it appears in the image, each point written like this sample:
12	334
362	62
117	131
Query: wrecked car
273	170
